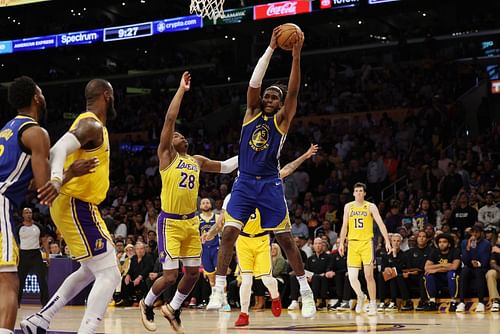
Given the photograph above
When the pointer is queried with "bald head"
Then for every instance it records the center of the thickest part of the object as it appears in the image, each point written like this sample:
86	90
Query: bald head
96	88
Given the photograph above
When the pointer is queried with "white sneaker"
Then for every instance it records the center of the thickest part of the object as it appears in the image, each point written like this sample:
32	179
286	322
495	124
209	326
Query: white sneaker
216	300
360	303
294	305
480	307
225	308
391	307
308	305
460	307
372	309
495	307
35	323
381	307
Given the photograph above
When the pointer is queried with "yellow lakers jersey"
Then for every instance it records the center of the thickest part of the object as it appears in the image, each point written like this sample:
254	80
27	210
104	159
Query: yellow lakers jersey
180	183
360	221
91	187
252	226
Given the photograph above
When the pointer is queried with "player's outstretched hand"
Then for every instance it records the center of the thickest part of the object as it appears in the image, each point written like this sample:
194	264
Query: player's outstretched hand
388	247
185	84
205	237
49	191
297	47
312	150
82	167
274	38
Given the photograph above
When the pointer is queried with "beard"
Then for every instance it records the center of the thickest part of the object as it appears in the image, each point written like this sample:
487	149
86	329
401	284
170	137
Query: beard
110	110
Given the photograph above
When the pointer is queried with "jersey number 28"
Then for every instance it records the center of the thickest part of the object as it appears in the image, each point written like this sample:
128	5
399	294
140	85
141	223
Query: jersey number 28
187	181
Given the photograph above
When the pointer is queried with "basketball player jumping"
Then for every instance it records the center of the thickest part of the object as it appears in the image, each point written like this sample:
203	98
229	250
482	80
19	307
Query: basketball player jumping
77	216
253	251
258	185
358	228
178	225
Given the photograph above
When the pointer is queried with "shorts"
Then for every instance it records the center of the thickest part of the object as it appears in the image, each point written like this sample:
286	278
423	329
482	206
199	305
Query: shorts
9	251
209	258
360	253
178	239
254	255
266	194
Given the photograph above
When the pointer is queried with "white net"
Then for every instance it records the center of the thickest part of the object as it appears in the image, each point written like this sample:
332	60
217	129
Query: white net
212	9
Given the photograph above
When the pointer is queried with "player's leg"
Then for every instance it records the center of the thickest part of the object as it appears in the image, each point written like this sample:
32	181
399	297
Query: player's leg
72	285
245	292
190	253
240	207
170	236
9	279
246	254
354	263
263	269
107	277
368	258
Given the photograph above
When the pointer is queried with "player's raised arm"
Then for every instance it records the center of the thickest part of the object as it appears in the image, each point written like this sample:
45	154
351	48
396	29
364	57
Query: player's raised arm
292	166
166	151
290	105
376	216
344	230
253	92
213	166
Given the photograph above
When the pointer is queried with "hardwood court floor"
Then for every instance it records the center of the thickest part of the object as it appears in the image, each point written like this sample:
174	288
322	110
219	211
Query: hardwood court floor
126	320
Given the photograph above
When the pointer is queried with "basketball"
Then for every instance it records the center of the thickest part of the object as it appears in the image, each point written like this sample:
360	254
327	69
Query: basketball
287	37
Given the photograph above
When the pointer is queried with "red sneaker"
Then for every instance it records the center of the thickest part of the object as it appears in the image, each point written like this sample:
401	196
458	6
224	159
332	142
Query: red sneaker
276	307
242	320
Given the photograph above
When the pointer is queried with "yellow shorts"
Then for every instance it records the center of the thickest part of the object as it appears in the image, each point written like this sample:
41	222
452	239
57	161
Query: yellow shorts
360	253
9	252
254	255
81	226
179	239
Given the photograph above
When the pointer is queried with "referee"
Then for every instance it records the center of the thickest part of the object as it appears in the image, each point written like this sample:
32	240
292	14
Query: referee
30	235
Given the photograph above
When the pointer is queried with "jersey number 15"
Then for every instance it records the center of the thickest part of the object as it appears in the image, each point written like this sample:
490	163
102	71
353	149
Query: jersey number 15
358	223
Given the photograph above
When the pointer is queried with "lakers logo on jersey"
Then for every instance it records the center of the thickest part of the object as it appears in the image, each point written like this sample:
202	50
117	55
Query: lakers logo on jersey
260	137
99	244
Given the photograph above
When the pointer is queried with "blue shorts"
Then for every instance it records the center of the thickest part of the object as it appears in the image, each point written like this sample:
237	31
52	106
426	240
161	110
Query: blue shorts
266	194
209	258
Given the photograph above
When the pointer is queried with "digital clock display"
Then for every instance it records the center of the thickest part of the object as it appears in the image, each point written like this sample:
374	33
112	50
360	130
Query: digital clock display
128	32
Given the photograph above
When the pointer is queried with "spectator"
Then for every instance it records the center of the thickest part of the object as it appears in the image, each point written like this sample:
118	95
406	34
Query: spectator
394	218
493	276
464	215
489	214
441	270
303	245
326	230
319	264
415	259
299	228
451	183
279	265
390	262
476	258
55	250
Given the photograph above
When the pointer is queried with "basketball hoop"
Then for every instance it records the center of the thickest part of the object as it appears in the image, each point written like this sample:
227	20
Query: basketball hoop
212	9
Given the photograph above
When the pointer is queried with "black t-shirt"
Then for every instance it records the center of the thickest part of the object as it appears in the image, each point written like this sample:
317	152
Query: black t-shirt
462	218
416	257
318	264
437	258
339	263
496	258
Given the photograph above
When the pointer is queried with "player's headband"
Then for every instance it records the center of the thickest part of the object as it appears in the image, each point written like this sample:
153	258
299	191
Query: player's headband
280	91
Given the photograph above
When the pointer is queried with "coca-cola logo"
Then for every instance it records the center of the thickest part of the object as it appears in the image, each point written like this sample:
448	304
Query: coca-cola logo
287	8
284	8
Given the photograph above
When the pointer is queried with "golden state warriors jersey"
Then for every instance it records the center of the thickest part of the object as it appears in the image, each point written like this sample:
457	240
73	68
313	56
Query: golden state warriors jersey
180	183
91	187
252	227
360	221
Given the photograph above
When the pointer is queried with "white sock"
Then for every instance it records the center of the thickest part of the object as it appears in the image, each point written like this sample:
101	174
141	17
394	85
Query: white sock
150	298
304	286
353	279
71	286
177	300
272	285
220	282
245	292
6	331
99	298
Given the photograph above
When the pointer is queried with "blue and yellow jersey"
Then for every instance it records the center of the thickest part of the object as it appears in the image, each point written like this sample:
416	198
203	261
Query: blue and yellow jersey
260	146
15	161
92	187
180	183
205	226
360	221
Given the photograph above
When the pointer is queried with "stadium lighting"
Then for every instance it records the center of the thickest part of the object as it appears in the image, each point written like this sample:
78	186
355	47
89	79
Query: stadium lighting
424	14
338	25
360	22
123	3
